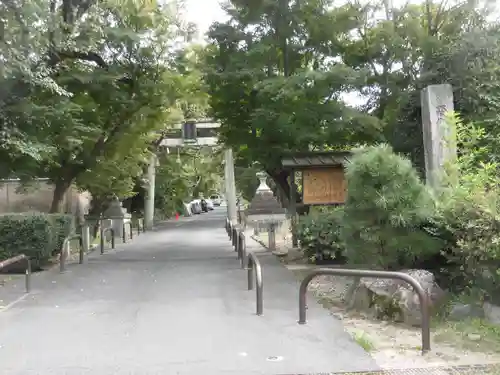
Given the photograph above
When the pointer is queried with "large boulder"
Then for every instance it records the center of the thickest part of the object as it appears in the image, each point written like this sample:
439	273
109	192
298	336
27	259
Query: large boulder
394	299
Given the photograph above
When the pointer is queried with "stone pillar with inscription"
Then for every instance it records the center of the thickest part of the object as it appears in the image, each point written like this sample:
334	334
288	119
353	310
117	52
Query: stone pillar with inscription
230	185
149	202
293	209
439	138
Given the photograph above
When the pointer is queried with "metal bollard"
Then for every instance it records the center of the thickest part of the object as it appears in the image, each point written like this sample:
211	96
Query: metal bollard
234	238
242	249
103	232
253	265
422	294
65	249
18	258
28	275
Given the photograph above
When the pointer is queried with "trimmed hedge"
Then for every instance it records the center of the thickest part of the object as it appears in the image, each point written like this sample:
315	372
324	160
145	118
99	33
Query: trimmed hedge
36	235
62	226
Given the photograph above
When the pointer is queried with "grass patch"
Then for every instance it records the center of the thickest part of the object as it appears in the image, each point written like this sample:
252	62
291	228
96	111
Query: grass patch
472	334
364	341
325	301
328	302
469	334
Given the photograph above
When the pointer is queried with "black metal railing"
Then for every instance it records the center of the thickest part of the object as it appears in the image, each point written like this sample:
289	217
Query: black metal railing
253	265
18	258
234	237
65	251
103	238
228	227
248	261
422	295
242	249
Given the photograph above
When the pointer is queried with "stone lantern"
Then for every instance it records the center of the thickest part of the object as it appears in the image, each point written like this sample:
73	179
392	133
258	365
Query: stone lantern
118	216
265	211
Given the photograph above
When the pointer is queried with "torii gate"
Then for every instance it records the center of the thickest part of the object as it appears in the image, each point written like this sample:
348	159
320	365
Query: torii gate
192	133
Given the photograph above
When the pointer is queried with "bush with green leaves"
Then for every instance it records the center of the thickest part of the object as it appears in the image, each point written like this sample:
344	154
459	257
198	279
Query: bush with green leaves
319	235
36	235
29	234
469	213
385	211
62	226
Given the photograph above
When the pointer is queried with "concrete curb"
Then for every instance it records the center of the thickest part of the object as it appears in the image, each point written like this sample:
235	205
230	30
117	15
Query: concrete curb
259	241
277	253
263	244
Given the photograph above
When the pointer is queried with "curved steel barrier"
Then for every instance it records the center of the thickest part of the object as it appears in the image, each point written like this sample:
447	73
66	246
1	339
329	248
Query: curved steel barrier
234	238
242	249
65	249
227	225
253	265
18	258
422	295
103	232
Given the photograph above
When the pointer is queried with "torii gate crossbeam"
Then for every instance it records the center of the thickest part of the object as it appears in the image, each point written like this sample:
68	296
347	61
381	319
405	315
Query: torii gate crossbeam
193	133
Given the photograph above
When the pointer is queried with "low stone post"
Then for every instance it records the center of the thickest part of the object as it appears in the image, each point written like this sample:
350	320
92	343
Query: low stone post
439	138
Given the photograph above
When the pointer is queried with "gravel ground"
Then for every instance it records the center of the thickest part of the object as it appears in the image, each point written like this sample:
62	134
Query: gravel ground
395	346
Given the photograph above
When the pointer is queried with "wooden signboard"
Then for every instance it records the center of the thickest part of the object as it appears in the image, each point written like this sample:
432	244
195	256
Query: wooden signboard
324	186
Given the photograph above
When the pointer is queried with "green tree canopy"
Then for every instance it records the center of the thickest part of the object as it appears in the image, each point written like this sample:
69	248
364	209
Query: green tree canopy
279	73
275	83
100	83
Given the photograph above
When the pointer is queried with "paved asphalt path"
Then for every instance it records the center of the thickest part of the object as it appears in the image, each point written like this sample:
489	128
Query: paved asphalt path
173	301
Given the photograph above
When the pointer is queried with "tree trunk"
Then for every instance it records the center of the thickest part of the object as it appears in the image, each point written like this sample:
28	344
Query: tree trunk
280	177
97	207
60	190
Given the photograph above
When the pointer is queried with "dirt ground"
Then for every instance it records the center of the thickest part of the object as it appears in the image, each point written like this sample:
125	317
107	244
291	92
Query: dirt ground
395	346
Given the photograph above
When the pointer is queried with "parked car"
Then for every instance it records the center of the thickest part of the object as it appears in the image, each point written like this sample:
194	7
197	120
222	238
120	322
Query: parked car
210	204
204	205
195	207
216	199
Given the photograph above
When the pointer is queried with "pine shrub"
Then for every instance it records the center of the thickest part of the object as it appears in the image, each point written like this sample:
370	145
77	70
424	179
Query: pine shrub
386	208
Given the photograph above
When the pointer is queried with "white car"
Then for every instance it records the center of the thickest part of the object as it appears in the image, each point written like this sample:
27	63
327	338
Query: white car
210	204
216	199
195	206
